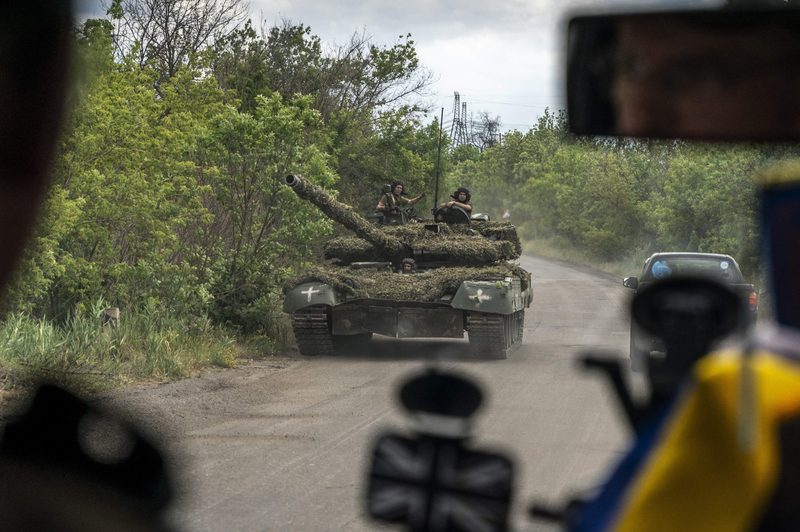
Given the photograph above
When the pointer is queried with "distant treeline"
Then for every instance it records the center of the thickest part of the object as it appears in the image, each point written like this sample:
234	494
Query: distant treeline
612	198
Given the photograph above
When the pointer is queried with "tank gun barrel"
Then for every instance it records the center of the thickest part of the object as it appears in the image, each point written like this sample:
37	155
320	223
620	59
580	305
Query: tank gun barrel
345	215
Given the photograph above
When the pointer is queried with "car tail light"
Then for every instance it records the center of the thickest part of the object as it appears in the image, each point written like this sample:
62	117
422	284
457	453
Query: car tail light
753	300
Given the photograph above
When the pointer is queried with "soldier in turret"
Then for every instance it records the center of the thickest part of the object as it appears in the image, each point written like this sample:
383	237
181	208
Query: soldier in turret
461	199
393	200
408	266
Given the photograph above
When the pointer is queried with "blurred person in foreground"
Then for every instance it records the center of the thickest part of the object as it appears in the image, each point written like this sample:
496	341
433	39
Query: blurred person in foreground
725	453
695	77
48	479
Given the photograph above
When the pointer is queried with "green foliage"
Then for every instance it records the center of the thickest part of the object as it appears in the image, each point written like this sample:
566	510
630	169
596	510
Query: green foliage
363	91
167	197
287	59
260	227
616	199
145	345
122	189
172	197
400	147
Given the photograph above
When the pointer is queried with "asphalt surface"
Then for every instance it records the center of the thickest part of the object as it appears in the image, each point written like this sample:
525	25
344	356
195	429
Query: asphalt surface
282	443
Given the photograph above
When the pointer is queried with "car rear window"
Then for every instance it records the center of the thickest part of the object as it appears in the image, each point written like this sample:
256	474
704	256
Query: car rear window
720	269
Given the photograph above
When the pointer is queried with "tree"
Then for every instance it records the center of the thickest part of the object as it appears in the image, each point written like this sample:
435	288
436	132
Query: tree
165	34
261	228
364	77
487	131
365	94
284	58
358	79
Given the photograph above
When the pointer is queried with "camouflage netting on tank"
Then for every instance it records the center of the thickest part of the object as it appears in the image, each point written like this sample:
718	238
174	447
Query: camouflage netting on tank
504	231
348	249
428	286
492	241
345	215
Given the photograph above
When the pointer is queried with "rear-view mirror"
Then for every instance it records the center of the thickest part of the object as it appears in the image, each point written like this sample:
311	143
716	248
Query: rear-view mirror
720	75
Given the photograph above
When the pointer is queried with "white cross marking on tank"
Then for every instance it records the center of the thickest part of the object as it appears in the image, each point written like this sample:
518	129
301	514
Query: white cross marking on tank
480	298
310	291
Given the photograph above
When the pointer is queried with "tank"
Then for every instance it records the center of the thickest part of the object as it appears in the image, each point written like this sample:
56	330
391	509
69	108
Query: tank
461	281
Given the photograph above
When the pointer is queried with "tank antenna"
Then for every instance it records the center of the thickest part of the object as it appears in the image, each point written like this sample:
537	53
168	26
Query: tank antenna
438	162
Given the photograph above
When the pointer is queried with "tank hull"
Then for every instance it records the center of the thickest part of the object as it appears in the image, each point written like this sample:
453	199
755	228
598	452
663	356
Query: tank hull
504	296
397	319
491	312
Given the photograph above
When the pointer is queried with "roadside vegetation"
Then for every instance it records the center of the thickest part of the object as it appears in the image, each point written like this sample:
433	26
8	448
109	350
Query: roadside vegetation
167	202
166	199
612	203
149	346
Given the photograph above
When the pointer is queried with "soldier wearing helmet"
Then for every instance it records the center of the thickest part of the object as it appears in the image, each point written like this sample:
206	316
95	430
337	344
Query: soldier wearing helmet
408	266
393	200
461	199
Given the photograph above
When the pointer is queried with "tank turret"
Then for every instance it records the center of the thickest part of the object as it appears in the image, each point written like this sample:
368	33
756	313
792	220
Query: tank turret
430	244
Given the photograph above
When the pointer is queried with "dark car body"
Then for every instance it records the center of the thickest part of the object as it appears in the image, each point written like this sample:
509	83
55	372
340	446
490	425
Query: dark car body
721	268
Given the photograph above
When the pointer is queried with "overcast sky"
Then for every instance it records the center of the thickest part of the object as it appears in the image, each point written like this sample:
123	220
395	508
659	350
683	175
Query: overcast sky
502	56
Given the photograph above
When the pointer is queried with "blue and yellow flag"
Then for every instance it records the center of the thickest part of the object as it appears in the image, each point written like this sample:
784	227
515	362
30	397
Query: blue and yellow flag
689	469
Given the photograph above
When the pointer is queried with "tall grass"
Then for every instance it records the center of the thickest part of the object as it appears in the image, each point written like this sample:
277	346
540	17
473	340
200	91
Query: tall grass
146	345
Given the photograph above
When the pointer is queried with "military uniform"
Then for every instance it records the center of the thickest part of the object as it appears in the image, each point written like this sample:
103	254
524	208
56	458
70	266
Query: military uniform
389	200
467	197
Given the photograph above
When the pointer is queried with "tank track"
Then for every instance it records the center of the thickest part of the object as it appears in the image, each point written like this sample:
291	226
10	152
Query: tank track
494	335
312	331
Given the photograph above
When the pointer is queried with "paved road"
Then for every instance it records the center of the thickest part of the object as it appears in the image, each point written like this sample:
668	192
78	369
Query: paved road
281	444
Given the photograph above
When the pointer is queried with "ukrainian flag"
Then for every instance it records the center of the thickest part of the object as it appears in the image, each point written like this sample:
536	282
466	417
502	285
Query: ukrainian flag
690	470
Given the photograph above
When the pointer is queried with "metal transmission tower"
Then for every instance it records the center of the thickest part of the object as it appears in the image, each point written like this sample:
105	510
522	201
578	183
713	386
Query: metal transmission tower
458	130
456	115
463	135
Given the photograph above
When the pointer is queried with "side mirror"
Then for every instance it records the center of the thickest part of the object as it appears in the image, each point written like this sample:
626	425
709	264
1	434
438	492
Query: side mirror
721	74
630	282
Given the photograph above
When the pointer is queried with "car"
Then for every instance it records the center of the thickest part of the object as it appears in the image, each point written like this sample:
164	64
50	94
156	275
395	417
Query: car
722	268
